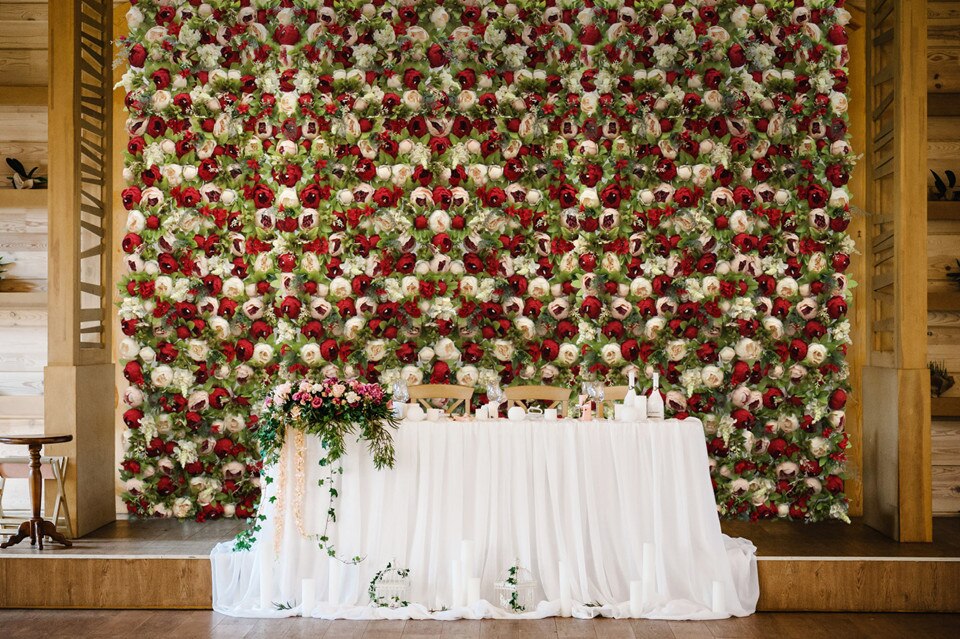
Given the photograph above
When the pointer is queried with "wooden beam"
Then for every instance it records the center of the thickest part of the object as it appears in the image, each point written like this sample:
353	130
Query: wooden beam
945	407
940	301
943	104
23	198
943	211
11	95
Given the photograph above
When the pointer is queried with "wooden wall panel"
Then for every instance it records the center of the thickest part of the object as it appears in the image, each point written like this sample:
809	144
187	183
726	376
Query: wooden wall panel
943	249
897	464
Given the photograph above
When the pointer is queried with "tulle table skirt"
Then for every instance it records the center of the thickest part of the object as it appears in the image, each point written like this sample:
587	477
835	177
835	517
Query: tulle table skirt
597	497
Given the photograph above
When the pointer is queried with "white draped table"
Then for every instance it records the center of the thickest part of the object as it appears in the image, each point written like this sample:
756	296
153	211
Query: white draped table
588	494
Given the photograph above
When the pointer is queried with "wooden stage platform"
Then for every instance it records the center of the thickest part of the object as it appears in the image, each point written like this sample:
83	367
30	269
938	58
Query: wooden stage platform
164	564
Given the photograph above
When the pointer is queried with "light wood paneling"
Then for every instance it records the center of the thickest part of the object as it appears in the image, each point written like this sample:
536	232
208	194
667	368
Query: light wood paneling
946	442
31	154
25	123
24	11
946	489
23	34
26	68
105	583
787	584
836	586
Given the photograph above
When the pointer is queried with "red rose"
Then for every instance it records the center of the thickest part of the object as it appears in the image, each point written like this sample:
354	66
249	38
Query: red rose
838	399
590	35
591	307
132	418
290	307
798	349
133	373
836	307
472	353
837	35
287	34
440	373
834	484
737	56
137	56
131	242
436	56
329	350
630	350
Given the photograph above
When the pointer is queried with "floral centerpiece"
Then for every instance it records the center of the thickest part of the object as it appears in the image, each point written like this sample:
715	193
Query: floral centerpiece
331	409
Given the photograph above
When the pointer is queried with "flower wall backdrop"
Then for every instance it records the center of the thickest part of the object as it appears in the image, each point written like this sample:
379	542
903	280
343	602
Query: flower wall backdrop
456	192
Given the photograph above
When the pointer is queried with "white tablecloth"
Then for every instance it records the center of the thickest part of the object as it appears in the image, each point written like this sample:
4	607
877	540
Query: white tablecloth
589	494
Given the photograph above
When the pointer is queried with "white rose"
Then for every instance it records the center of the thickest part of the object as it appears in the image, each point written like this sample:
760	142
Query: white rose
310	354
503	350
376	350
161	376
610	353
468	376
340	288
712	376
197	350
567	354
816	354
426	354
676	350
133	396
748	350
446	350
128	348
352	327
411	375
589	198
262	354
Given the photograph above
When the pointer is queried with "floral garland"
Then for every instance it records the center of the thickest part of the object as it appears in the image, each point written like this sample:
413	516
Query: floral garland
529	191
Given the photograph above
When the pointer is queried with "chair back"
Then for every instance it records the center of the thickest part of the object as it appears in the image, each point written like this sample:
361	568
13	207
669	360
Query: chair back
614	394
553	396
449	397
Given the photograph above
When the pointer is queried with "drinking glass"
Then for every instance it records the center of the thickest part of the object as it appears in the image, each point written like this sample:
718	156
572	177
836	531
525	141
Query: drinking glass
401	393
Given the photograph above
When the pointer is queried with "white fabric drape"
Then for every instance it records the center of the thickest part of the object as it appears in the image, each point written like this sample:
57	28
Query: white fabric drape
589	494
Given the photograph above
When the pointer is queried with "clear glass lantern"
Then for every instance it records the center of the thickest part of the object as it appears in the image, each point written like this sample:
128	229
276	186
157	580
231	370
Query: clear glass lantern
392	588
515	589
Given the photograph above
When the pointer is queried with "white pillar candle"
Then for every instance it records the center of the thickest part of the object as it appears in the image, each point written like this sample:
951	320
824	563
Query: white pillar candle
265	552
473	590
308	598
334	579
481	413
566	599
467	561
636	599
456	579
718	602
648	572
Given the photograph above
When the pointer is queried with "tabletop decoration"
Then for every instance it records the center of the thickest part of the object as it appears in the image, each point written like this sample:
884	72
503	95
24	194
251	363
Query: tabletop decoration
333	410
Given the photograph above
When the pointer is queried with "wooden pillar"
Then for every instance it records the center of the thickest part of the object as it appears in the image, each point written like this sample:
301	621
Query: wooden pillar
79	388
896	383
857	352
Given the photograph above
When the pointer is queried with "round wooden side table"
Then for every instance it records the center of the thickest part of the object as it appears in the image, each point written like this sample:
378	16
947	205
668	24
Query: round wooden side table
36	528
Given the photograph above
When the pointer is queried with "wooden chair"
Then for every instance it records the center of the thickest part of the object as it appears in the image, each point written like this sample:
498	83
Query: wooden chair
424	394
51	468
614	394
551	396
